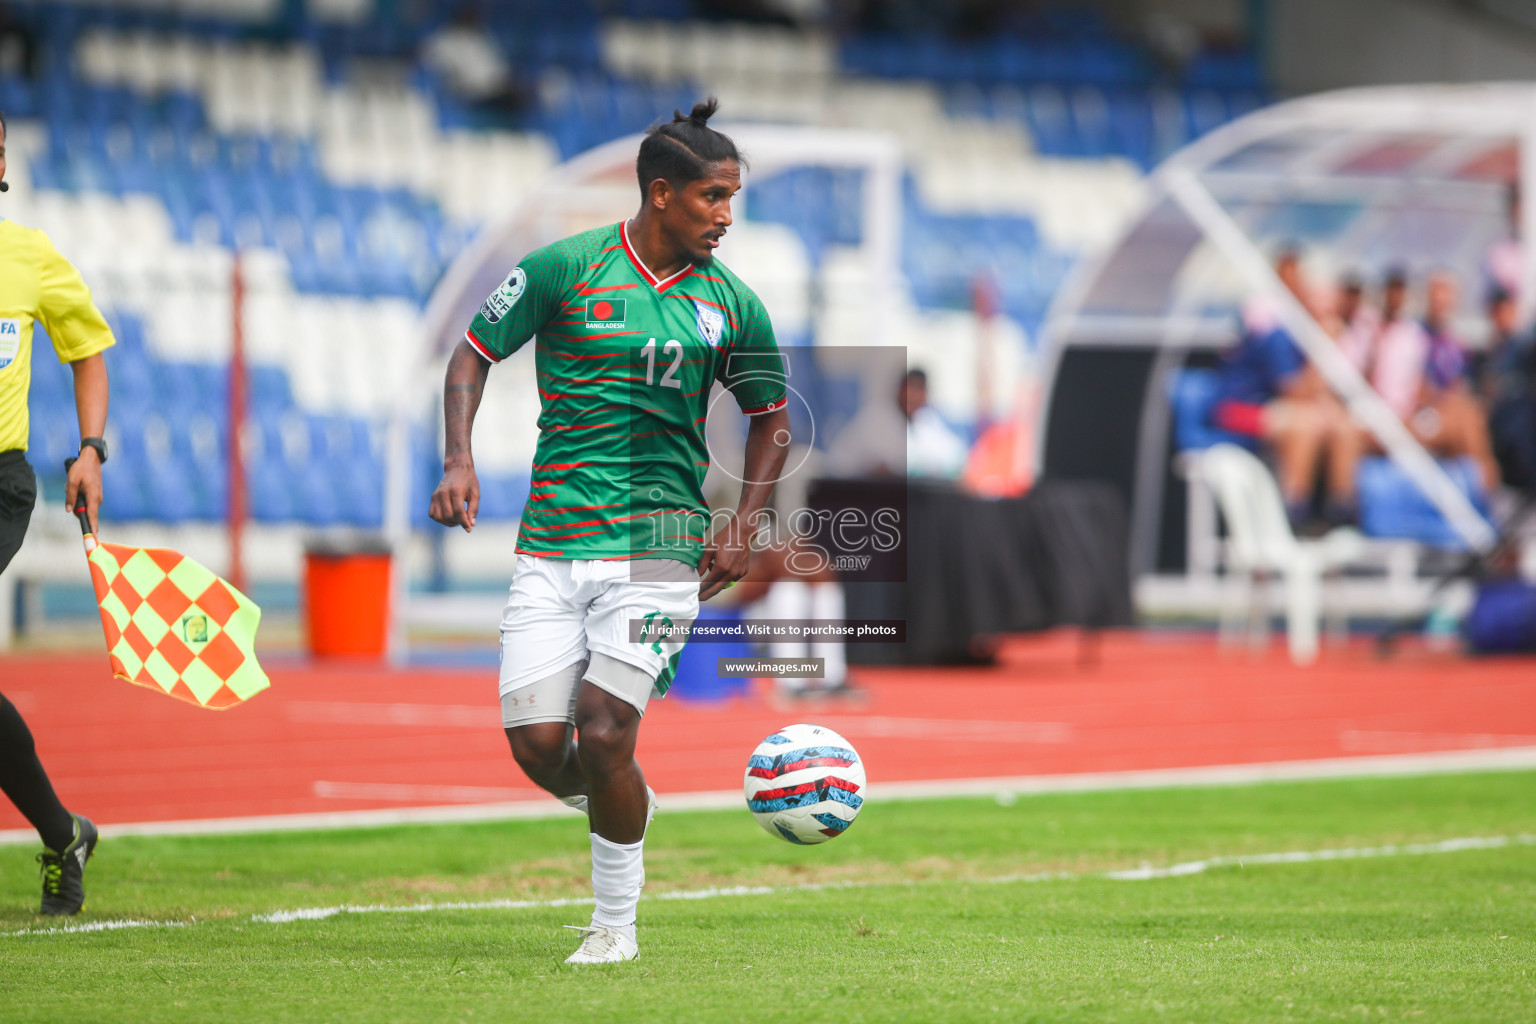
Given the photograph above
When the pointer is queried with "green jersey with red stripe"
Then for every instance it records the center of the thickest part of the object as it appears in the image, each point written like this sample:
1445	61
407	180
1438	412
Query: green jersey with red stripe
625	365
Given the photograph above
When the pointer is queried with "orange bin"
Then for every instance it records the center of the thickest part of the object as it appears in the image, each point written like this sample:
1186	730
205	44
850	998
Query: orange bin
346	598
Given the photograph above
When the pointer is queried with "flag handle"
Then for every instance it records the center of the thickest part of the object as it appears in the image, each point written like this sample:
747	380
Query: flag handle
80	513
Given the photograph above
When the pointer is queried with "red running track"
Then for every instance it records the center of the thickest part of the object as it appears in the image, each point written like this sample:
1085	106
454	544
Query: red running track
339	738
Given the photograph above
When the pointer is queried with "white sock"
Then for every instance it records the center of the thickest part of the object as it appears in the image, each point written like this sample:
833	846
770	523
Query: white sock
618	872
827	603
788	599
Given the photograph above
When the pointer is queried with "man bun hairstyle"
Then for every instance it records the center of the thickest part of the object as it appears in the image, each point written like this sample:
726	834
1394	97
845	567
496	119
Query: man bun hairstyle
684	149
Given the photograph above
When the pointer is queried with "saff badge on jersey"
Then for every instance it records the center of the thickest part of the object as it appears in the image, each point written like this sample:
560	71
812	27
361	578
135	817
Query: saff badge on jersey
501	301
606	312
711	324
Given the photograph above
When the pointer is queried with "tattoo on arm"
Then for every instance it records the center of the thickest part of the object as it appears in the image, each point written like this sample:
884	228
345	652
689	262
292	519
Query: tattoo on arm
462	389
767	448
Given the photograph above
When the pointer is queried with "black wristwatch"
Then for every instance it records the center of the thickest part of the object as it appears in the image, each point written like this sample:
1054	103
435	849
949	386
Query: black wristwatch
99	443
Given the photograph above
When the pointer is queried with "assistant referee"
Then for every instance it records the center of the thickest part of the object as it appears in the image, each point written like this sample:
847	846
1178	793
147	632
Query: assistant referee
36	283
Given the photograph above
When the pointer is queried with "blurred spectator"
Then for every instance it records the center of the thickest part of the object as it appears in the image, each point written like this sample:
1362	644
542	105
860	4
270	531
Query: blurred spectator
472	67
933	449
1418	369
1355	322
18	49
1445	365
1504	264
871	443
1394	363
1288	270
1001	463
1497	368
1266	390
1507	384
1450	419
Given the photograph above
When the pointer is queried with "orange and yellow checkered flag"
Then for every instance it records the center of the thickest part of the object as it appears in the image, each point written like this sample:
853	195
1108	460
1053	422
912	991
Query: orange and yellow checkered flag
174	626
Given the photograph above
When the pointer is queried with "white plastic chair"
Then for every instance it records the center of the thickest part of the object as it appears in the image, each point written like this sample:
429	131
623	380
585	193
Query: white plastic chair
1260	543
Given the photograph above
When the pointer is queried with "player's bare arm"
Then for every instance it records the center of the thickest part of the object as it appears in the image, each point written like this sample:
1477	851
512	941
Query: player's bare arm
727	556
91	409
457	498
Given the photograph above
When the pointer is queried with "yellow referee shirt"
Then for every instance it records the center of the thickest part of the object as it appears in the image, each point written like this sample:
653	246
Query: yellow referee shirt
36	283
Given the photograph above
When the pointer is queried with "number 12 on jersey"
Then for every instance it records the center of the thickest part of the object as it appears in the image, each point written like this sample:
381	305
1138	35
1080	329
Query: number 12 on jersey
672	348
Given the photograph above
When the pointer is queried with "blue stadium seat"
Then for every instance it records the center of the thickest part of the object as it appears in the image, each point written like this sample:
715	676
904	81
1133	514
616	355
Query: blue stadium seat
1050	121
658	10
17	97
52	381
133	385
1132	132
1232	70
168	491
270	494
318	495
1244	102
200	443
122	492
822	205
1206	110
360	486
53	436
175	384
1391	505
502	495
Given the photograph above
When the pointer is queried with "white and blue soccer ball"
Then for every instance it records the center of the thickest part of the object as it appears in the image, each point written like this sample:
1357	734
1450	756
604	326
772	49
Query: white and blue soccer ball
805	784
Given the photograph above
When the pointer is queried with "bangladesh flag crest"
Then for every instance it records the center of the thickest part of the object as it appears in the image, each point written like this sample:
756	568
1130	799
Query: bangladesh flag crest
606	312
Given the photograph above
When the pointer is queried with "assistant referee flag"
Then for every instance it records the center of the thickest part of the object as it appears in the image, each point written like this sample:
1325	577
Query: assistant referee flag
173	626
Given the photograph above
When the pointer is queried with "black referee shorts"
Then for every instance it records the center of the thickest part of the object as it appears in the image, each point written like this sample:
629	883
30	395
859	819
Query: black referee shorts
18	493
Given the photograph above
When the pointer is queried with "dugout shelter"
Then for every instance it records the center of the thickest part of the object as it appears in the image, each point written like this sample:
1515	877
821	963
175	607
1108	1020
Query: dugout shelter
1360	180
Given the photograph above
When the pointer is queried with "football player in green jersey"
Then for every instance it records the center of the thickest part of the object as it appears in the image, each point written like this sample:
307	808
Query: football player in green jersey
635	322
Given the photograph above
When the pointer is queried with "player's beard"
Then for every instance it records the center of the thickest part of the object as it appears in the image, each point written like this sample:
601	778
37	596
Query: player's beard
702	259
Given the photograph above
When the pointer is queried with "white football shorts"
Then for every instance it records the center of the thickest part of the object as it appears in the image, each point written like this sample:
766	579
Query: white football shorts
569	619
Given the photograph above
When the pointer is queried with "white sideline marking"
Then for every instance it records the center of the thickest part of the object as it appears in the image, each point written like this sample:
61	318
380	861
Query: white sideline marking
99	926
321	913
1195	867
538	806
1140	874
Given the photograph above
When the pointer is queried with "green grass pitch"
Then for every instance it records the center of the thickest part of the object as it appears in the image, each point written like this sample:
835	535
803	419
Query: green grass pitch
926	911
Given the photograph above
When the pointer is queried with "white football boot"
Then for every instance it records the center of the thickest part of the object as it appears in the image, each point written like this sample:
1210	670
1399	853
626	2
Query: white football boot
580	804
601	945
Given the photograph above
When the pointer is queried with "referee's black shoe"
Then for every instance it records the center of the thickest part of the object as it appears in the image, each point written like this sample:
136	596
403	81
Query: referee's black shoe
64	872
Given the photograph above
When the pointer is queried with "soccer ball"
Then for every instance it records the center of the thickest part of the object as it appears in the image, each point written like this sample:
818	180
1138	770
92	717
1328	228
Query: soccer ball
805	784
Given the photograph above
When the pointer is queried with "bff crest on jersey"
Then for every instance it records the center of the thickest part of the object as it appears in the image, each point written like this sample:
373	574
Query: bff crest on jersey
711	323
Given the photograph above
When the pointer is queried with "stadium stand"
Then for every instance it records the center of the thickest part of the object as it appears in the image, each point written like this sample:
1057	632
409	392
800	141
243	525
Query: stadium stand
156	141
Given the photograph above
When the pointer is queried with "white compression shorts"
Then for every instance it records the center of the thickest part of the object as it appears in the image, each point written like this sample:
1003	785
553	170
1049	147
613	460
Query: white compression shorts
570	619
